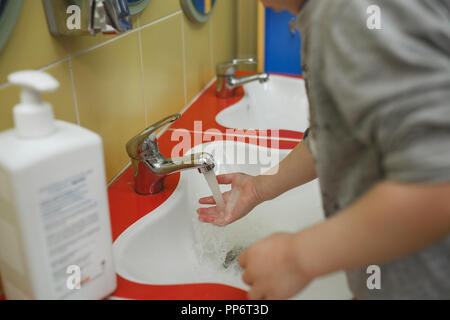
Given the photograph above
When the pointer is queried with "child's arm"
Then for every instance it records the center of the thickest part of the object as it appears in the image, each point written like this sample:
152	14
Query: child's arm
390	221
295	170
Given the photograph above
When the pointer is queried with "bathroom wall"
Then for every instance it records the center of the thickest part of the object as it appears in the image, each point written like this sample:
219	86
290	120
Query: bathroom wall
117	85
247	28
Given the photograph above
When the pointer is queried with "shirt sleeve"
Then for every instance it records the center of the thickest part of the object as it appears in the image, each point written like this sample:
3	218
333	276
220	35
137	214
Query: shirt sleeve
392	85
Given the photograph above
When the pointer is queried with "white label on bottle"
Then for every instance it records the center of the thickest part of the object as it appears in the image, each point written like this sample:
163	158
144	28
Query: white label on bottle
71	221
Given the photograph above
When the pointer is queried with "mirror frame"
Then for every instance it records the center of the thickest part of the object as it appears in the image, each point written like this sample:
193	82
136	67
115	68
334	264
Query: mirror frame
193	14
8	19
137	7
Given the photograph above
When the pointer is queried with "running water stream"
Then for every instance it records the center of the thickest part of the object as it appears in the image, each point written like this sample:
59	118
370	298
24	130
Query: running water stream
211	179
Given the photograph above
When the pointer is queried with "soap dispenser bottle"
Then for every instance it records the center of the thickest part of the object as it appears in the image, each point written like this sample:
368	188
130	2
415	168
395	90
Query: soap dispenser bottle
55	234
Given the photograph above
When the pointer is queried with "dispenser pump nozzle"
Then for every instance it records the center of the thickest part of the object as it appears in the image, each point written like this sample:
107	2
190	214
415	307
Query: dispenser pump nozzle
33	117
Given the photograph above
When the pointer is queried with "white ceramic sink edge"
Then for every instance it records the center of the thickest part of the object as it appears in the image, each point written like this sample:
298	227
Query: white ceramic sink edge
169	246
280	103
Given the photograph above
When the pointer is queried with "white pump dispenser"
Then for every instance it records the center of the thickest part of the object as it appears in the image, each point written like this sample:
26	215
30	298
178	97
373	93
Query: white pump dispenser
55	232
33	118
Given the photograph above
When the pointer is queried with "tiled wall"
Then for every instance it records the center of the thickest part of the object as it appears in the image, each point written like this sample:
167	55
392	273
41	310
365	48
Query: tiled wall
247	26
117	85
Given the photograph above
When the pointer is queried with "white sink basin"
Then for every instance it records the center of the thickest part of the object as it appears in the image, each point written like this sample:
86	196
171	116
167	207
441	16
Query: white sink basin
170	246
280	103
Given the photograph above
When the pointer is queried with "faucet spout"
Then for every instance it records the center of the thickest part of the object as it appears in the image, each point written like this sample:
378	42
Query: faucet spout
200	160
150	167
149	175
227	82
235	82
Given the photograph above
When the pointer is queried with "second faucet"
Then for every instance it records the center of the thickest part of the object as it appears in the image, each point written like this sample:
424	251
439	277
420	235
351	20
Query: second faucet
227	82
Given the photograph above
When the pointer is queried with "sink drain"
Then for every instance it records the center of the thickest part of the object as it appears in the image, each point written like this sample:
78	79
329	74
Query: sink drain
231	256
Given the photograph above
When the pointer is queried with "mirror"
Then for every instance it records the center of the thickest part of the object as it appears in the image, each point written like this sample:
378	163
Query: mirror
9	13
136	6
198	10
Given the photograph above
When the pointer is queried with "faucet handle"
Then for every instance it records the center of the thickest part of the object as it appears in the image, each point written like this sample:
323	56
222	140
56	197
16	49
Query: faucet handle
228	68
136	145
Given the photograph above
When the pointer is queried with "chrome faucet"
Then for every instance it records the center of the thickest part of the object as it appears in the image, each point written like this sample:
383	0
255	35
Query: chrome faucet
227	82
150	167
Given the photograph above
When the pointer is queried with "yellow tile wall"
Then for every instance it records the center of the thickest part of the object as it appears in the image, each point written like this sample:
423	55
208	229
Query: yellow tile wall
246	38
117	85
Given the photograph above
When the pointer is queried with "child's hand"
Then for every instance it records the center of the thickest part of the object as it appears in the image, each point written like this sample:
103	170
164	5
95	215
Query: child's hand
242	198
271	268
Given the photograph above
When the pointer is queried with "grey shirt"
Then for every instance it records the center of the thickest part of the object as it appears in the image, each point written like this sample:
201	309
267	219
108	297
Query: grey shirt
380	110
